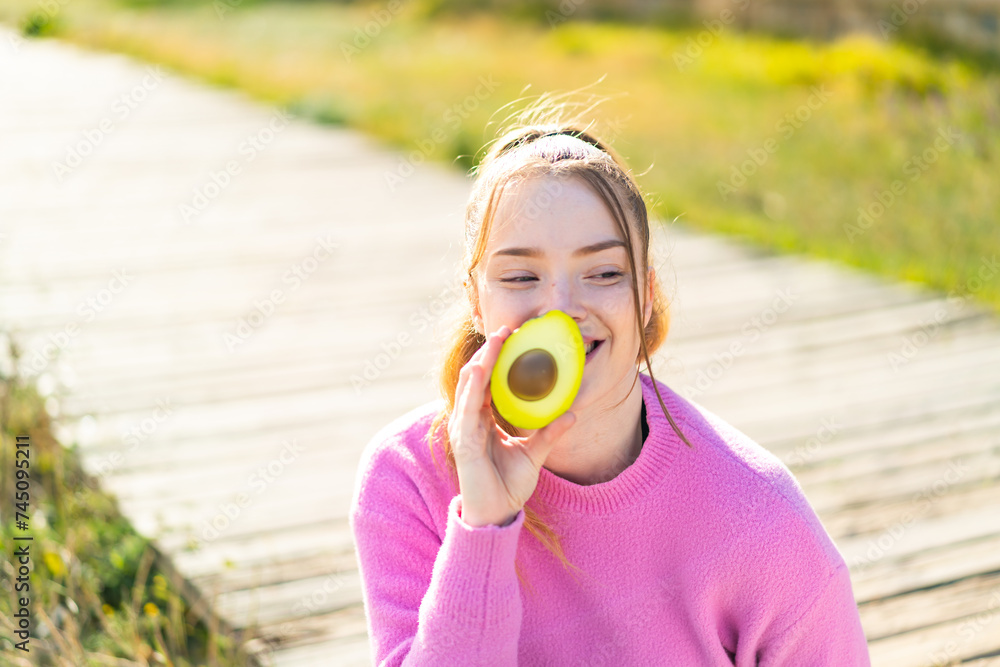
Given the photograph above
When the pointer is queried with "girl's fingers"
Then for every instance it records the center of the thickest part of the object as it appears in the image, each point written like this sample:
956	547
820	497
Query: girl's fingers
476	360
478	355
493	347
466	446
491	350
472	397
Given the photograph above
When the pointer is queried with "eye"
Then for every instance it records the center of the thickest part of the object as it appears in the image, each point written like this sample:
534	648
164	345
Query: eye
517	279
607	275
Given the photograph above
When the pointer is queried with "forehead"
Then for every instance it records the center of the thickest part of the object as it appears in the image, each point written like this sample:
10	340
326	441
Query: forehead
550	210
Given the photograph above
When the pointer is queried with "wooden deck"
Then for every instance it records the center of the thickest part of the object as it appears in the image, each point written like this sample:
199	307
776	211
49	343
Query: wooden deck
884	399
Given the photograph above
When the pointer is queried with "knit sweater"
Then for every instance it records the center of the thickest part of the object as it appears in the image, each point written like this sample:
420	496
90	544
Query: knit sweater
708	555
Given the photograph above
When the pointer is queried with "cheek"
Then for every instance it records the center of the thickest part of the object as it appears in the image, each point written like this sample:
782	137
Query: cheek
615	306
504	307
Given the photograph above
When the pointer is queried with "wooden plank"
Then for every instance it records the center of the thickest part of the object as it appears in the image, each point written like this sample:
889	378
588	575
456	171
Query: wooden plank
897	575
264	507
167	453
238	562
349	652
863	407
875	377
339	627
893	483
269	411
888	434
837	358
275	570
861	552
973	635
856	520
936	452
926	607
274	604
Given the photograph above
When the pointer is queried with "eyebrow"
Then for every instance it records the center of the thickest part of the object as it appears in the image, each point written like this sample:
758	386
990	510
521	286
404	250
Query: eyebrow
585	250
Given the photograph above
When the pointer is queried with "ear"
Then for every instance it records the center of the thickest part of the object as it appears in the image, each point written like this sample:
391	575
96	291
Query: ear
477	317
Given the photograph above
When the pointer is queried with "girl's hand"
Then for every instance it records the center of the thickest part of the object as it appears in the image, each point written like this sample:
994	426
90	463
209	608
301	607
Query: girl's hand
497	473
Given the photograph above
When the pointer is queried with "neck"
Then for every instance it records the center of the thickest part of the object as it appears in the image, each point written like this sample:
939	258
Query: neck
605	439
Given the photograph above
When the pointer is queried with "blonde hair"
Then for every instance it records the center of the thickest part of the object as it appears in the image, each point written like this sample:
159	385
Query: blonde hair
541	143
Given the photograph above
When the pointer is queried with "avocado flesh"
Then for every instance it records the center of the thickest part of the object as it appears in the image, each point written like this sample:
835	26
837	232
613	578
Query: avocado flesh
539	369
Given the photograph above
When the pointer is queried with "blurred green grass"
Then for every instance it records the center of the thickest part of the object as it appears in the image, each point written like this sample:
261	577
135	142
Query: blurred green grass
687	120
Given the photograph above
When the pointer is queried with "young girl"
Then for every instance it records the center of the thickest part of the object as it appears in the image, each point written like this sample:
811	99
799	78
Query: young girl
637	528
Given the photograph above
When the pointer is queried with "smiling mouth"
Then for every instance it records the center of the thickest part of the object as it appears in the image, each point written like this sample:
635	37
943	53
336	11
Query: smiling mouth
592	350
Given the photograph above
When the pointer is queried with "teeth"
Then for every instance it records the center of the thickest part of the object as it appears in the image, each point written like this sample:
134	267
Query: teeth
590	348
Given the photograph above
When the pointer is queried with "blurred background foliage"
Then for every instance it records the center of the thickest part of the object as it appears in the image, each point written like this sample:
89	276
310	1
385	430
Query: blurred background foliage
687	106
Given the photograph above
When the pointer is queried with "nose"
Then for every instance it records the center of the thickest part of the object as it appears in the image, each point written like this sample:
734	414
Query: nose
562	294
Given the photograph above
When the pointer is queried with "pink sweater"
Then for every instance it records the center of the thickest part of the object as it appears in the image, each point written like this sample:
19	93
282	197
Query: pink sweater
703	556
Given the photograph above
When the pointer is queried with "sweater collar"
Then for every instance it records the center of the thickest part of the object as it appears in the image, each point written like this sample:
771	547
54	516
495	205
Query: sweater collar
634	483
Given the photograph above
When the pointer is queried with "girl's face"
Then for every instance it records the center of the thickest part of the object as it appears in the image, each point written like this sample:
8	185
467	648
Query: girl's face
554	245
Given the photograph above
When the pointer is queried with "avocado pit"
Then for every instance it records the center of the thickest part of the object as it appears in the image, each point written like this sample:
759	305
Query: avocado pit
532	375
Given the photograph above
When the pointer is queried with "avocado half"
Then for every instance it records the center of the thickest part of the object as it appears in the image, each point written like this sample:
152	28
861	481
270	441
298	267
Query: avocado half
538	372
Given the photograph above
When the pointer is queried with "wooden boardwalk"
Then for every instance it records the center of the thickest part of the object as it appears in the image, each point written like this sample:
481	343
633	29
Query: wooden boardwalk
235	445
